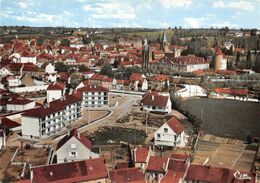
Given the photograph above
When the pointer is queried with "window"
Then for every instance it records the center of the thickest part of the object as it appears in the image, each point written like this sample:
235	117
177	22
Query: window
158	136
73	154
165	130
73	146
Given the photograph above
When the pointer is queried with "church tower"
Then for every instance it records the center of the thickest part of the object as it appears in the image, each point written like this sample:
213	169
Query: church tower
146	55
164	43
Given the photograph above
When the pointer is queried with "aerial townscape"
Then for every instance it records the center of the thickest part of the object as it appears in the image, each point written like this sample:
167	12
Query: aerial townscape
132	102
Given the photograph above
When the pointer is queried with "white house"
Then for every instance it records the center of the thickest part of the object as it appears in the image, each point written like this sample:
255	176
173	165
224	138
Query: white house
170	134
28	58
19	104
94	96
50	119
138	82
155	102
74	147
50	69
4	71
55	91
14	81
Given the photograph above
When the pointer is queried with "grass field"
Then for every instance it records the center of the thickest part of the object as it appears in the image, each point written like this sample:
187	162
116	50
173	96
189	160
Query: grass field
228	118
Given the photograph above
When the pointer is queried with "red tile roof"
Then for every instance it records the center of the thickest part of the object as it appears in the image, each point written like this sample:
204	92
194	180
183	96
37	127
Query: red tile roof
136	77
8	123
155	99
157	164
218	51
77	171
160	77
80	137
134	175
19	101
232	91
175	125
64	76
214	175
93	88
54	106
56	86
27	67
141	154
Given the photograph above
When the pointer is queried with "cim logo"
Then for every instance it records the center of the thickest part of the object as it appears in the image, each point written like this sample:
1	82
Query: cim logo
239	175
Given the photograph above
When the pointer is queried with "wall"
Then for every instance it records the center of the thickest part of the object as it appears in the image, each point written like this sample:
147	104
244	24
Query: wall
28	89
53	95
15	107
82	151
30	126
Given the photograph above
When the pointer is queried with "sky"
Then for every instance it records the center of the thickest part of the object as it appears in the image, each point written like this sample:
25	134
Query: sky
131	13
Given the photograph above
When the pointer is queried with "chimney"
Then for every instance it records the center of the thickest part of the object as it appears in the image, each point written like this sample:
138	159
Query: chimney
152	97
78	134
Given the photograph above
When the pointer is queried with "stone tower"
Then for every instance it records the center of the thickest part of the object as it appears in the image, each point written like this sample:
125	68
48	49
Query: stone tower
164	43
220	63
146	55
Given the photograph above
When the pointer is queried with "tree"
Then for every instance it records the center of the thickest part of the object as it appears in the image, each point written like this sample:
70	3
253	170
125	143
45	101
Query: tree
39	42
65	42
107	70
237	58
86	40
83	68
61	67
74	80
248	60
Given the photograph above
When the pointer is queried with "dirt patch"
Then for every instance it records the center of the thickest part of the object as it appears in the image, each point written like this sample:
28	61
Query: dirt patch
108	135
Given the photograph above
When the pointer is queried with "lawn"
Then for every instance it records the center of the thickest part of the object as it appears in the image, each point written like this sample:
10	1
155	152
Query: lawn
228	118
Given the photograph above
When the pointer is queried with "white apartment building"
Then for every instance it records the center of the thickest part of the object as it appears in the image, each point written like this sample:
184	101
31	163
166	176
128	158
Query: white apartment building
50	119
94	96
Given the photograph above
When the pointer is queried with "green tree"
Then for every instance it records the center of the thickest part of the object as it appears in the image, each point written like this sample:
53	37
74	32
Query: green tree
248	60
39	42
83	68
74	80
107	70
61	67
65	42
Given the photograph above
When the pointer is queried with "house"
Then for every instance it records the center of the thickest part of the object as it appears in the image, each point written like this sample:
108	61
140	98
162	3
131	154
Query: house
74	147
159	82
142	156
188	63
88	74
4	71
94	96
170	134
50	69
55	91
87	171
176	170
155	102
6	126
201	174
138	82
51	118
28	58
19	104
127	175
156	168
